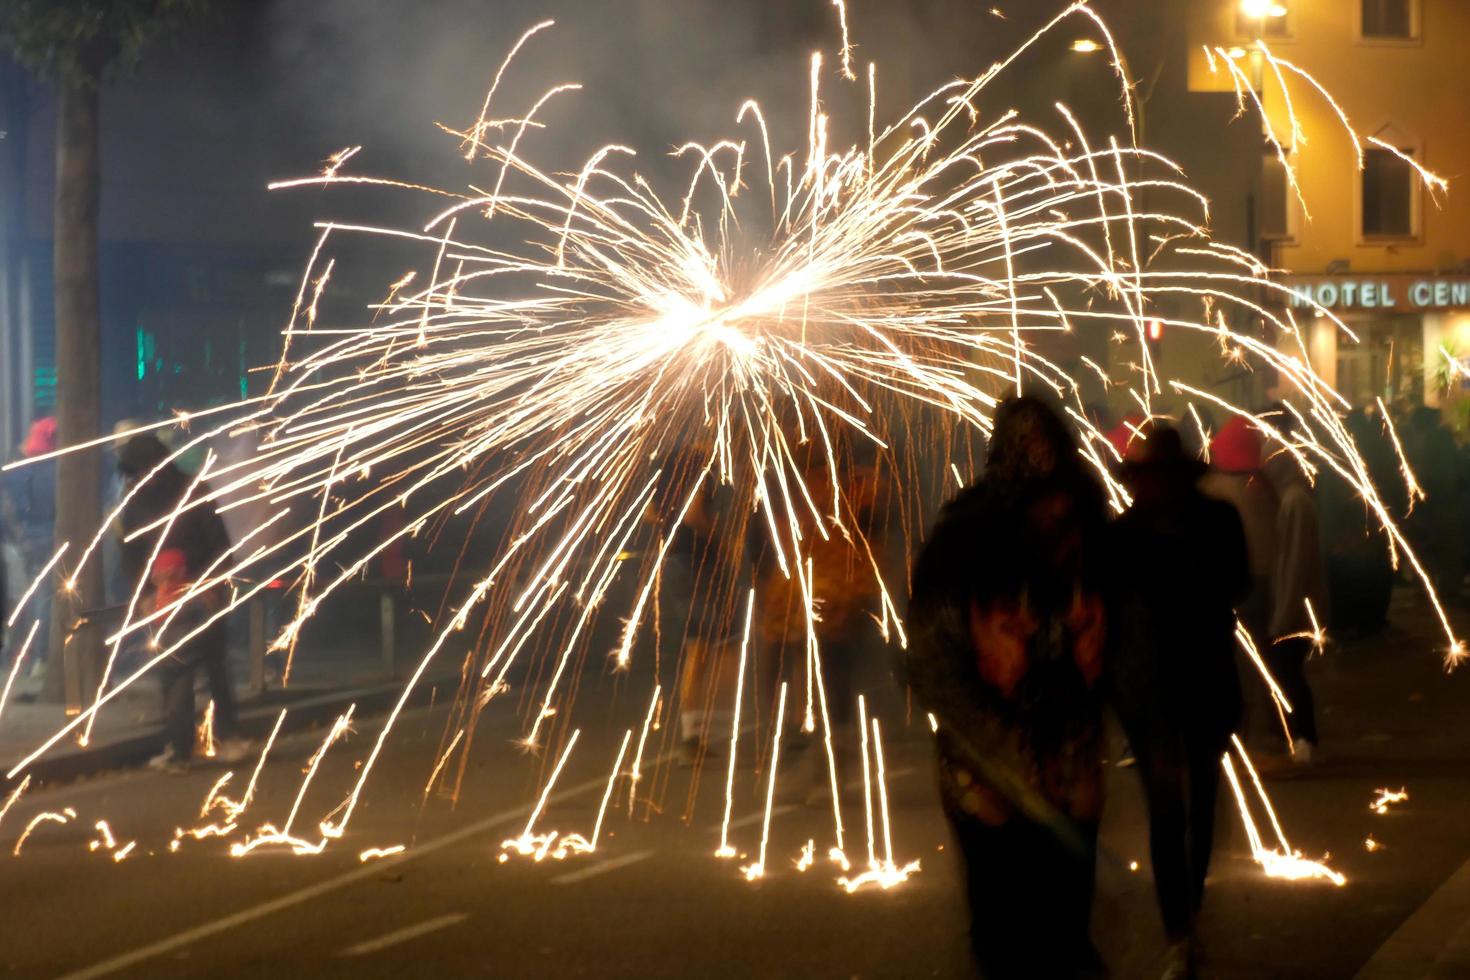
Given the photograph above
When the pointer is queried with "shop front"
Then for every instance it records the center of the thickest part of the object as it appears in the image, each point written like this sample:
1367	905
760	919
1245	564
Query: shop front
1413	335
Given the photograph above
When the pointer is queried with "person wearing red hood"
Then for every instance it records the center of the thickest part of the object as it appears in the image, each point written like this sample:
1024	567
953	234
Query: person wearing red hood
30	514
1236	477
31	490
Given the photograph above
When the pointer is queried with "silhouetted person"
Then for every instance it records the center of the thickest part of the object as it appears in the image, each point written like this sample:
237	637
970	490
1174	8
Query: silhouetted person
1006	642
1180	565
847	594
195	546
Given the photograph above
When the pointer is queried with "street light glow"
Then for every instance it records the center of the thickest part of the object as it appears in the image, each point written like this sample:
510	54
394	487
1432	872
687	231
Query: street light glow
1085	46
1261	9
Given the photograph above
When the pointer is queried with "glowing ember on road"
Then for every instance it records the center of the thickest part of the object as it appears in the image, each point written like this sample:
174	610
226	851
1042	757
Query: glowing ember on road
1387	798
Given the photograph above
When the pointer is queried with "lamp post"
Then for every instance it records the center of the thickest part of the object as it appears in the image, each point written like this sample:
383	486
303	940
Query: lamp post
1087	45
1258	12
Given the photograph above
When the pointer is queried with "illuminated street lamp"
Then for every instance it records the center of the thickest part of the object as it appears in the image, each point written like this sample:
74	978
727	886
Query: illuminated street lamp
1257	12
1086	45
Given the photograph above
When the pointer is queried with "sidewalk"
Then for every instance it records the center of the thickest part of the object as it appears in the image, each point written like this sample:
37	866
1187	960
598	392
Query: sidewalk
325	680
1390	718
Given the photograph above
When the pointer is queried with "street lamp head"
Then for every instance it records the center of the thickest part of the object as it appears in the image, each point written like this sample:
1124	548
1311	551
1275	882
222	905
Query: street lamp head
1085	46
1261	9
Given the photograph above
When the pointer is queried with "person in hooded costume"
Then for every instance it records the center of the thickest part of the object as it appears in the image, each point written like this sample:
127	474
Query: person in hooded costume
195	544
1006	620
1180	566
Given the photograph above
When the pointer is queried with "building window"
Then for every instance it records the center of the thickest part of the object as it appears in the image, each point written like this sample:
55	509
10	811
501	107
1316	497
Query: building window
1388	19
1388	194
1262	18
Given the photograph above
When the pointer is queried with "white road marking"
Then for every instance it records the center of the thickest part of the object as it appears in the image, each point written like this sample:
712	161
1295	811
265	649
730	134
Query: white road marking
133	957
786	808
896	774
759	815
405	934
601	867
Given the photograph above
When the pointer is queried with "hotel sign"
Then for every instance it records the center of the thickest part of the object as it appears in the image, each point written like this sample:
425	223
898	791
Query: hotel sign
1395	293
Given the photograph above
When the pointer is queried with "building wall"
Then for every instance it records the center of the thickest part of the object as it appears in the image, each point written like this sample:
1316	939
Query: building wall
1419	88
1409	93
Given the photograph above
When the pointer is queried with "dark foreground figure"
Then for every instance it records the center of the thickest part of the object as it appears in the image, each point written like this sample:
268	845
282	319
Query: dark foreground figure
1007	633
194	545
1180	564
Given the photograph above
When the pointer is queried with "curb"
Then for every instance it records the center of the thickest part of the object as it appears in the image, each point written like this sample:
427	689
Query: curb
256	720
1433	942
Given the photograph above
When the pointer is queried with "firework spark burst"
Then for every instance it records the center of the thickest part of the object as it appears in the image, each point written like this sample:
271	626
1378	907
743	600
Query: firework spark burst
780	319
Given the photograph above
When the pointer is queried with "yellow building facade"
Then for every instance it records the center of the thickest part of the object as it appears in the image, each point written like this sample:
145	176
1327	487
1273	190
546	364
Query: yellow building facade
1363	234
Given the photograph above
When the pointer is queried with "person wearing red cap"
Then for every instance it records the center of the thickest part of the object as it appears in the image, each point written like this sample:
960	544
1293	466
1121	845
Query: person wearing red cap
1236	477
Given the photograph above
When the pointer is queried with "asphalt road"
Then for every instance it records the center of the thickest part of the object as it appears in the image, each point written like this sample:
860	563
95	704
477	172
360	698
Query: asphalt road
654	901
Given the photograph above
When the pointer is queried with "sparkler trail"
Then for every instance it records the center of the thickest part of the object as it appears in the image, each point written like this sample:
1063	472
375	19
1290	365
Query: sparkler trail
725	850
604	360
373	853
884	873
64	817
14	795
537	845
20	658
758	868
1276	862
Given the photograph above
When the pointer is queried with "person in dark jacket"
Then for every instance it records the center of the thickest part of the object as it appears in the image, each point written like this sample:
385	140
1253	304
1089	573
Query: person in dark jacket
1006	625
1180	566
195	545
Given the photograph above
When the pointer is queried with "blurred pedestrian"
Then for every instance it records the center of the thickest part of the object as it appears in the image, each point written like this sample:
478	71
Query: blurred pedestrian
1360	572
1299	591
1006	624
169	582
846	599
30	510
1435	523
198	546
1180	565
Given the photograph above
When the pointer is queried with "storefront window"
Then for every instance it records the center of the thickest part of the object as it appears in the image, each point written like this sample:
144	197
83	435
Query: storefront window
1387	362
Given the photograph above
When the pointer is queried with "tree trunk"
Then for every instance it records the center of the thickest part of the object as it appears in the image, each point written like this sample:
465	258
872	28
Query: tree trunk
72	666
